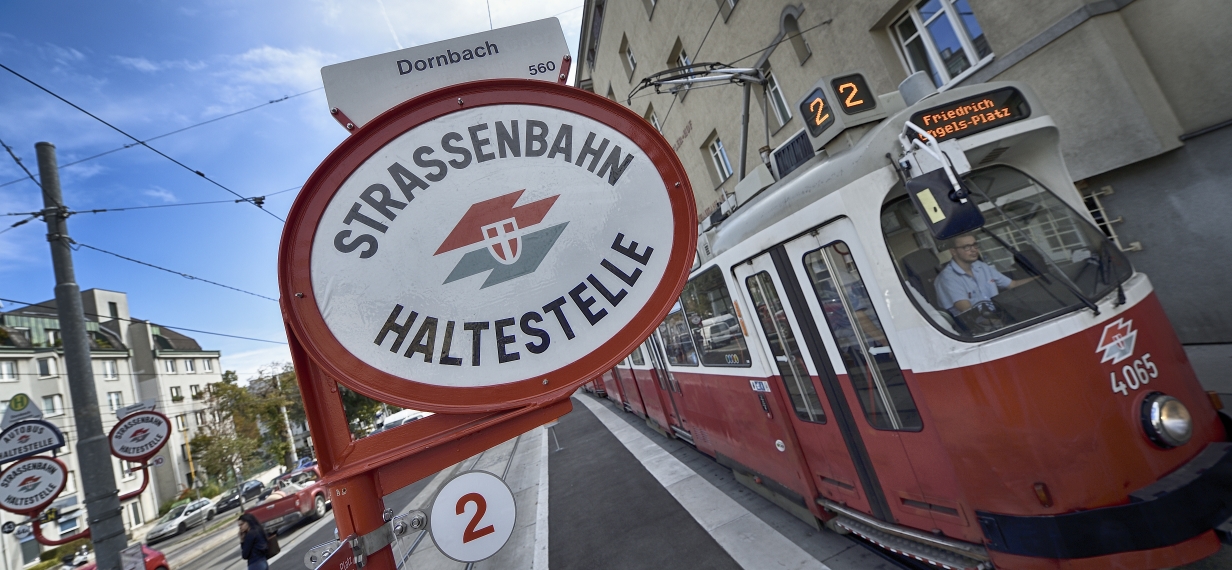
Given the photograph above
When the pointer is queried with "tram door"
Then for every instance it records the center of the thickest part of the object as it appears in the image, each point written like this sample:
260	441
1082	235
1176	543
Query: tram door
820	323
669	388
628	387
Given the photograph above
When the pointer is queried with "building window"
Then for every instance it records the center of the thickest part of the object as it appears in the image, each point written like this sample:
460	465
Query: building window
8	370
626	56
68	525
653	118
189	366
128	471
791	29
181	422
111	371
195	391
941	38
113	309
207	365
115	400
718	159
726	7
135	518
200	418
53	405
782	112
70	483
54	338
177	395
169	366
46	367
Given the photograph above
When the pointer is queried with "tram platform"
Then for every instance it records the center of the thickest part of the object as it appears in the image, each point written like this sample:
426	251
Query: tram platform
605	491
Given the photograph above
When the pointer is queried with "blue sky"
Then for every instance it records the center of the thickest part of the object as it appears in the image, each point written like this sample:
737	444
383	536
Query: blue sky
153	67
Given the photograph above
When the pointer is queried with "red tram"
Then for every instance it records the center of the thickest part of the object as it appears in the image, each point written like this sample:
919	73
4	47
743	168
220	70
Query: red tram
818	352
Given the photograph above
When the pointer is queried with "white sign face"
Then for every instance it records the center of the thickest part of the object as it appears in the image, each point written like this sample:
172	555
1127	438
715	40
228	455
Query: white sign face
139	436
491	245
29	438
365	88
158	460
472	516
21	408
31	484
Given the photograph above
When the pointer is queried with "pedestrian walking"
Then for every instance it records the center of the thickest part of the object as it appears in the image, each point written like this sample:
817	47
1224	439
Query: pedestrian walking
253	544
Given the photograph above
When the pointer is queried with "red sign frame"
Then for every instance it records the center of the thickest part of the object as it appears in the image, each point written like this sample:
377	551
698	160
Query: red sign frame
147	456
306	324
50	500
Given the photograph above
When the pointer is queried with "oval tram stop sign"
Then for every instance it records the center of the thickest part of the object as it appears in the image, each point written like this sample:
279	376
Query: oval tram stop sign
488	245
139	436
31	484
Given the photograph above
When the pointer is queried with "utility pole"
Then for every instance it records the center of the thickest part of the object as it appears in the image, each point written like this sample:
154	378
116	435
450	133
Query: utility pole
97	477
290	436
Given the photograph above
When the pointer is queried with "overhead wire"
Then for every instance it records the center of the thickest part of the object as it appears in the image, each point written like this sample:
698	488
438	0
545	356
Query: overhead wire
180	130
31	215
696	52
138	141
172	327
126	208
172	271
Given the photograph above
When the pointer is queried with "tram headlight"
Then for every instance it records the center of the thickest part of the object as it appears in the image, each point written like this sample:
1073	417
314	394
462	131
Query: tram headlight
1166	420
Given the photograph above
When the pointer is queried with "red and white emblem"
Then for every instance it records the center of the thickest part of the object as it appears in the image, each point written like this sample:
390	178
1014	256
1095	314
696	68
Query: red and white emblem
1117	342
504	240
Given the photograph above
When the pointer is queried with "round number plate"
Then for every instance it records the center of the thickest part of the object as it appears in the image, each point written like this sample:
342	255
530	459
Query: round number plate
472	516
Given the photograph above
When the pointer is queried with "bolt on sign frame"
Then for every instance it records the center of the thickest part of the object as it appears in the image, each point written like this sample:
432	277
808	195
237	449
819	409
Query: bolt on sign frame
473	417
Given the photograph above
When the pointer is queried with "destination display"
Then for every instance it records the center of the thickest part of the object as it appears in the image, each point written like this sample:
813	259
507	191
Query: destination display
31	484
495	245
27	438
973	115
139	436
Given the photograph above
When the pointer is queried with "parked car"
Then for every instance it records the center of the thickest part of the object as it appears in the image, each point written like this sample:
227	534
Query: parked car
292	498
154	560
231	499
180	519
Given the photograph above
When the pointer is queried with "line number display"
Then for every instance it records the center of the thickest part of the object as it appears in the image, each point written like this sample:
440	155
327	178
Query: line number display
853	94
816	112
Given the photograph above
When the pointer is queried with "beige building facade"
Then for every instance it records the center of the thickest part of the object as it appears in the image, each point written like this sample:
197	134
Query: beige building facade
1141	91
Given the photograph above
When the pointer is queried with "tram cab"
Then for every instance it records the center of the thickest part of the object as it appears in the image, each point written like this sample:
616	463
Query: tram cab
1012	396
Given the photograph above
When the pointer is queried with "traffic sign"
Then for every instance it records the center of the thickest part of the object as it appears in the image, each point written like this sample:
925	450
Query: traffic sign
21	408
158	460
364	88
31	484
125	411
472	516
487	246
49	515
139	436
27	438
8	527
23	532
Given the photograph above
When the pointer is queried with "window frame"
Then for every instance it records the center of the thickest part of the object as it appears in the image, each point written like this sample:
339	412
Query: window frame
57	405
8	371
111	369
949	12
181	422
169	365
177	394
722	168
117	402
53	368
699	340
776	99
207	365
190	366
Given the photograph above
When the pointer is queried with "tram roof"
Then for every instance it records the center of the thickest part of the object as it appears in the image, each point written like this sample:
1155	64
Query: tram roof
827	173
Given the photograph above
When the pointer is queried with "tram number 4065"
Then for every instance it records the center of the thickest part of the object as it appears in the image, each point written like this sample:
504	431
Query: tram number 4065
1136	374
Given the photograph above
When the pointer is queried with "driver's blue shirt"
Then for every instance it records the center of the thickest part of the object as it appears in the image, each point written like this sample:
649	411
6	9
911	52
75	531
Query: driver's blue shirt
953	284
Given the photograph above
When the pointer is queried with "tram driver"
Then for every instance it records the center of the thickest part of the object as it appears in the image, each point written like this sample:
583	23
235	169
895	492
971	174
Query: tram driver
966	281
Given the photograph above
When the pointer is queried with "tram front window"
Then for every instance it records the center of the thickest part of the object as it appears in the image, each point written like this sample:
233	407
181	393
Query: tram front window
1035	258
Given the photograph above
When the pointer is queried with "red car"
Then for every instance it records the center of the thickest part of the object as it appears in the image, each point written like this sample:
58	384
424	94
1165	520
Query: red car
294	497
154	560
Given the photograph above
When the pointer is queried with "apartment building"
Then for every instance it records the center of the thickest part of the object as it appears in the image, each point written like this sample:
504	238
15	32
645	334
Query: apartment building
1141	91
32	363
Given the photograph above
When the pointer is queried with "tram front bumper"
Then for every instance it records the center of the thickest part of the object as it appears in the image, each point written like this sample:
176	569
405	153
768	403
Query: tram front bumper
1192	500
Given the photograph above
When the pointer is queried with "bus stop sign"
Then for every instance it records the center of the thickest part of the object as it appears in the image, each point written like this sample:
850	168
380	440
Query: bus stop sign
487	246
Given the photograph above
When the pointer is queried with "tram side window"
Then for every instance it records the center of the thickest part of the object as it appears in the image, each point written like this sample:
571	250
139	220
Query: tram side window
1039	255
636	357
677	342
783	347
871	365
712	319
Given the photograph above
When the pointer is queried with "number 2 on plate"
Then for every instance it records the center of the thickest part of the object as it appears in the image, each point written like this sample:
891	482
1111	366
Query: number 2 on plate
481	507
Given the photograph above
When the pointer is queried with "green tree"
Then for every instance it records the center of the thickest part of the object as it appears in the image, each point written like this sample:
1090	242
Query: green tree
229	439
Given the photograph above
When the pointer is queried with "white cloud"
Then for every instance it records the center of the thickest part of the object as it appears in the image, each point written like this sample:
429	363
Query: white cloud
62	55
161	194
267	65
247	364
147	66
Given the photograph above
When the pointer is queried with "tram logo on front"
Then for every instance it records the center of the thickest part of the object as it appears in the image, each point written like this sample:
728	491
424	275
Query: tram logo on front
510	244
1117	342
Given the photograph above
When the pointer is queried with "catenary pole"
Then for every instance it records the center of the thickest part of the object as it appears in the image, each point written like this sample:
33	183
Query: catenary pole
97	477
